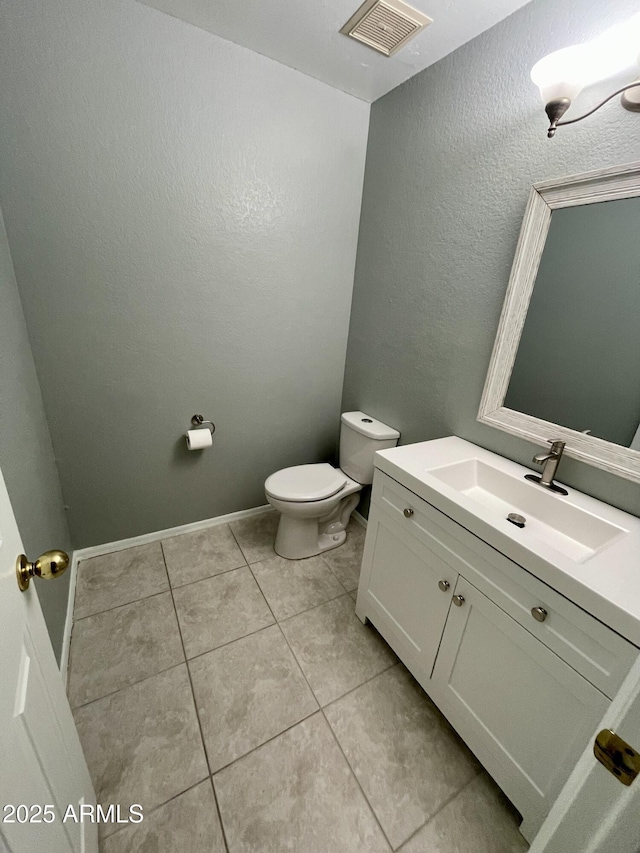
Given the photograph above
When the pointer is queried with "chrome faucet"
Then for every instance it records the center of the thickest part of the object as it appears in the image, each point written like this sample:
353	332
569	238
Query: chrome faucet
550	460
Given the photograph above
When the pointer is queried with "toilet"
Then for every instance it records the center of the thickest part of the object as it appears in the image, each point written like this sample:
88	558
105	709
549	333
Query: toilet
315	502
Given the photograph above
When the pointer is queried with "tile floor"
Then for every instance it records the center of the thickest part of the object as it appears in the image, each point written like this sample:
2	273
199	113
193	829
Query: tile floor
238	698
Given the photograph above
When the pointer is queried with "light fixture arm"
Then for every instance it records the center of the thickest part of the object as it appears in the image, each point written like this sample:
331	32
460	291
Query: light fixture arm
556	109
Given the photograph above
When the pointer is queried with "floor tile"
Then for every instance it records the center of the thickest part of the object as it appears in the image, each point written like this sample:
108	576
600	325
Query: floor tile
346	560
479	819
119	578
220	609
143	743
201	554
256	535
291	586
296	793
335	650
403	752
187	823
247	692
116	648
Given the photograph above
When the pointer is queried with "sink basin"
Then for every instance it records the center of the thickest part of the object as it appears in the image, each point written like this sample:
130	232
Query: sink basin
570	529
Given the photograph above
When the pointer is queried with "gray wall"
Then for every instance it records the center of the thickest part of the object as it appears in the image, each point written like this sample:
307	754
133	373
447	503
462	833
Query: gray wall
578	363
452	154
183	219
26	456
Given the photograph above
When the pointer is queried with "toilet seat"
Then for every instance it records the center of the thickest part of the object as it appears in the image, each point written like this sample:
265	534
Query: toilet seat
303	483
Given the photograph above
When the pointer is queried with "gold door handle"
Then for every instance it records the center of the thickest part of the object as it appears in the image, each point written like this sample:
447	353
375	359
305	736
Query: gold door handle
49	565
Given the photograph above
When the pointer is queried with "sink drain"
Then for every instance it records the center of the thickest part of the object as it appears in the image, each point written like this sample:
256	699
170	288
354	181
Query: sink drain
518	520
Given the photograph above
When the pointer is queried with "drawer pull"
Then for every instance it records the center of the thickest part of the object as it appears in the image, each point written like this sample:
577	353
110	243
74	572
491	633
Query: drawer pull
458	600
444	585
539	613
407	512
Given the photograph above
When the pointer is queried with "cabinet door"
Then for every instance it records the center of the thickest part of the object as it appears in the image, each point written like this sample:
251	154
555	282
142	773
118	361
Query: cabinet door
399	592
525	713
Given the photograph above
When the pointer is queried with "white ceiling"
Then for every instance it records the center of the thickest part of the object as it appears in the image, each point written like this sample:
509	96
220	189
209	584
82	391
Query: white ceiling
304	34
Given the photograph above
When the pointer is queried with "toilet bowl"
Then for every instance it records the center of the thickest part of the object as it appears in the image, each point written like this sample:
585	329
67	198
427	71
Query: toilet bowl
315	502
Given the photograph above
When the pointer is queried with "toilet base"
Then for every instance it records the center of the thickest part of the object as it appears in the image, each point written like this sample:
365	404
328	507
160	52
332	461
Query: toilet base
298	538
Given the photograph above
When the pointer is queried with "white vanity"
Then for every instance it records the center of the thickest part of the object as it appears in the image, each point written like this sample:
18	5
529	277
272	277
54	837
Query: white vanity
521	636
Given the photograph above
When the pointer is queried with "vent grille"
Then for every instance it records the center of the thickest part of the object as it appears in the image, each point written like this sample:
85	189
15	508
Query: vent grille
385	25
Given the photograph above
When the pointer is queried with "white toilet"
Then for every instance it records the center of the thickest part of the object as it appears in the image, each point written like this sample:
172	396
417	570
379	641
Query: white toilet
315	502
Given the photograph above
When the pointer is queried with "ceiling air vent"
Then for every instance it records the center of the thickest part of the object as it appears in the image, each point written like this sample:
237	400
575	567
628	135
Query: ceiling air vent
385	25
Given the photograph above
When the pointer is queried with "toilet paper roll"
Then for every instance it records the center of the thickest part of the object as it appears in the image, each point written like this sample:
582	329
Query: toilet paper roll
198	439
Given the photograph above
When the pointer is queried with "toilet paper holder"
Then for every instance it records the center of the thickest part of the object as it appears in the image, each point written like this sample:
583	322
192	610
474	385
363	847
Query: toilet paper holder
199	421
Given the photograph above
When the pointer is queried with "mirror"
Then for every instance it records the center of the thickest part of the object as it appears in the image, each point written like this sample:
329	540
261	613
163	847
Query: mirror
566	361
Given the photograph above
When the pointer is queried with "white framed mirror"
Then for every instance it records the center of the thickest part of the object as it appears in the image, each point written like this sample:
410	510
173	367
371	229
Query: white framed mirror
566	359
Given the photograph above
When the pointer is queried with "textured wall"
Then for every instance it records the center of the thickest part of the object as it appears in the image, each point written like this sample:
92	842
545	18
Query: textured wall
451	157
183	217
26	456
578	362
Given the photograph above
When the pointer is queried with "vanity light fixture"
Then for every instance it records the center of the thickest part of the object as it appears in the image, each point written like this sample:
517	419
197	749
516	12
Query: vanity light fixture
562	75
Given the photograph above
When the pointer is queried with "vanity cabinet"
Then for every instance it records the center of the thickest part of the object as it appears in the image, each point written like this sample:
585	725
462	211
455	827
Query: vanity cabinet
526	695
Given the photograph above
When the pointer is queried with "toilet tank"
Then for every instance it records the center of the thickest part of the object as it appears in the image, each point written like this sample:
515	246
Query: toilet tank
360	437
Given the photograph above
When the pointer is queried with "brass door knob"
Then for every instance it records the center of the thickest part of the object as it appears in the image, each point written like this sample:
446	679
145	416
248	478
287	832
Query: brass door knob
49	565
444	585
407	512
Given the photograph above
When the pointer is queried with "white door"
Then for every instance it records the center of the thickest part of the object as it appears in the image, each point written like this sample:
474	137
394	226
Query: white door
41	761
595	812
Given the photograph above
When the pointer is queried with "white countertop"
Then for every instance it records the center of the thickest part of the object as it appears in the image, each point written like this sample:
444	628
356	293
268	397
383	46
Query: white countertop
607	584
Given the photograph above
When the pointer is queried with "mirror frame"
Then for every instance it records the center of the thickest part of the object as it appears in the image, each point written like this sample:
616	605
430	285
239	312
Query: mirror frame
608	184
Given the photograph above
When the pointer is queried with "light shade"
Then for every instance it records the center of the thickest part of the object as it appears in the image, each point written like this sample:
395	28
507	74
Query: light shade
562	74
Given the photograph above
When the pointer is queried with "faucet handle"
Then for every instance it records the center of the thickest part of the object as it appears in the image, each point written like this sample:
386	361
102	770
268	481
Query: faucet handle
556	444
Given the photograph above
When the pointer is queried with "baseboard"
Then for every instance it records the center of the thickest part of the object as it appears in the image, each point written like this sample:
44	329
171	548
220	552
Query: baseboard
68	622
360	519
122	545
145	538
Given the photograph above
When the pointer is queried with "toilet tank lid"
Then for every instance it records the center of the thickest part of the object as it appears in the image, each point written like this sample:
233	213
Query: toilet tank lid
366	425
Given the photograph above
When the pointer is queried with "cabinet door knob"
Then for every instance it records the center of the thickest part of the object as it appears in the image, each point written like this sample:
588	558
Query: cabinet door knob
539	613
407	512
458	600
444	585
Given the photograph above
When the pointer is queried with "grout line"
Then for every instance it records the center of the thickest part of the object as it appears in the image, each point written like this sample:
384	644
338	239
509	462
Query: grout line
306	610
230	642
374	815
438	810
208	577
126	686
193	695
237	541
324	716
362	791
334	574
77	619
265	742
148	812
315	607
219	813
353	689
304	674
118	606
262	594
